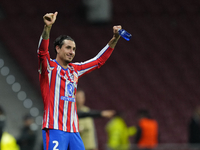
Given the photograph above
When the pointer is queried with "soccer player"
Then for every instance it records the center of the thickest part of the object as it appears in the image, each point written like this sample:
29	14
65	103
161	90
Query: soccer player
58	82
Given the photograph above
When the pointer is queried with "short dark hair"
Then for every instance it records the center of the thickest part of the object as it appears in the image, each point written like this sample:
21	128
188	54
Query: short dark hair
59	41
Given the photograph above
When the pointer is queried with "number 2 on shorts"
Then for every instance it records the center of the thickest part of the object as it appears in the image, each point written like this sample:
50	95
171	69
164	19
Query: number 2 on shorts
56	145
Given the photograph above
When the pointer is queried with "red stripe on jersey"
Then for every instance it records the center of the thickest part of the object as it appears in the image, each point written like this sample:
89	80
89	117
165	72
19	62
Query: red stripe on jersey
86	66
74	129
51	105
77	117
44	85
105	55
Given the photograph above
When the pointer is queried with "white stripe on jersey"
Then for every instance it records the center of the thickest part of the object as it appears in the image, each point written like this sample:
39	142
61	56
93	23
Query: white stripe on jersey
50	77
76	120
49	69
72	117
40	41
65	109
95	58
56	98
47	125
83	71
102	51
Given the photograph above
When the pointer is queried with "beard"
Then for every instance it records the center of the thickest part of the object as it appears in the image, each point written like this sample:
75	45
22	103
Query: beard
68	61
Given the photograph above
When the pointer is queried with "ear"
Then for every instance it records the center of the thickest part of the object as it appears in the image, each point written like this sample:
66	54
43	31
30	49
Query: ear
57	49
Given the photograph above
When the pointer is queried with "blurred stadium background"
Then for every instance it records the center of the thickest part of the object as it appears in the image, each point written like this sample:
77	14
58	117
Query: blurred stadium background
159	69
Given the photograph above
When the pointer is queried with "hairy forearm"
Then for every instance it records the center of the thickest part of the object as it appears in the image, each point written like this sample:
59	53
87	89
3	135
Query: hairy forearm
112	43
46	32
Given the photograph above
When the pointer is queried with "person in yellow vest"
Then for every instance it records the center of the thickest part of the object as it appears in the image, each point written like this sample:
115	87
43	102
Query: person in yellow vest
86	122
147	135
7	141
119	133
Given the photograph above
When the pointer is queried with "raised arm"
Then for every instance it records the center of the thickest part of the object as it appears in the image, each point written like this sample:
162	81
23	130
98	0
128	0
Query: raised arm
112	43
97	61
49	20
43	54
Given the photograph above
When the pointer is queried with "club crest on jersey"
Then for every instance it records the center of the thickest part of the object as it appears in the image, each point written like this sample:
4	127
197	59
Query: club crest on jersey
75	77
70	89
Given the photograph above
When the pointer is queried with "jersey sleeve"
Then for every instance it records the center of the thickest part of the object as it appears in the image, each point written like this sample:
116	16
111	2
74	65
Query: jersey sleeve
43	56
94	63
43	65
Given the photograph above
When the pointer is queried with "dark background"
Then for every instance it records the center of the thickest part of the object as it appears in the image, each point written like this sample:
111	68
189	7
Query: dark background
158	69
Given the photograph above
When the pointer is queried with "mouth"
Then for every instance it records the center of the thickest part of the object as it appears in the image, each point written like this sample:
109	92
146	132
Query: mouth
70	57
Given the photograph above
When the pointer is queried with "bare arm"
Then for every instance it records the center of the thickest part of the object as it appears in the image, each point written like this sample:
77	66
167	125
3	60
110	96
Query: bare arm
46	32
49	20
112	43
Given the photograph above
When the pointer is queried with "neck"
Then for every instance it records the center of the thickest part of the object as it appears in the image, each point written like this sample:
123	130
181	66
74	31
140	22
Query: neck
62	63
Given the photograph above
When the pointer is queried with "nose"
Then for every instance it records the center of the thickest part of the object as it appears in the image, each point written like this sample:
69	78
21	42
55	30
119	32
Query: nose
71	51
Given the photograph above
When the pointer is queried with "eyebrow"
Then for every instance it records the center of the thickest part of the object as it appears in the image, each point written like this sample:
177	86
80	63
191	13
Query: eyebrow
71	46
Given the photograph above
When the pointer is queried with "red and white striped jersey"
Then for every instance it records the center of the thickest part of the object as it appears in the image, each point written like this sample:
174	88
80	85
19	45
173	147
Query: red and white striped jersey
58	87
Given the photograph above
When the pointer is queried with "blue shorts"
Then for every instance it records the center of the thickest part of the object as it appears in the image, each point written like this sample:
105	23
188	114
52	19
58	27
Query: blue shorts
61	140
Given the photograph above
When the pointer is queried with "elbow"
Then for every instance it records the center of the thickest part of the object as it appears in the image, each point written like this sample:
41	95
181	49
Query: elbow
100	64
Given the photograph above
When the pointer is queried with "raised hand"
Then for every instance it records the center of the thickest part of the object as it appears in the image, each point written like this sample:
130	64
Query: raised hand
112	43
115	30
50	18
